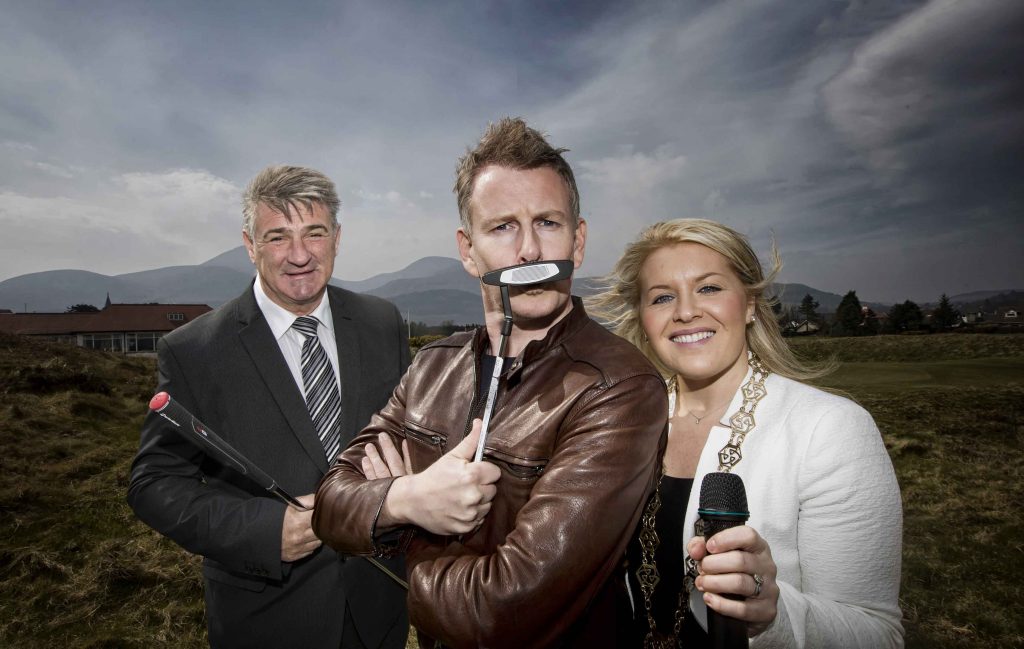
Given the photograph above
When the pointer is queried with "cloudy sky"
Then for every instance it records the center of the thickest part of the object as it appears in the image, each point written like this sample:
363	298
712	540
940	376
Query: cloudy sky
881	143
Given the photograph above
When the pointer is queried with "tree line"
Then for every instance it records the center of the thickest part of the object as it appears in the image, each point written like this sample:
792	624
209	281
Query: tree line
854	319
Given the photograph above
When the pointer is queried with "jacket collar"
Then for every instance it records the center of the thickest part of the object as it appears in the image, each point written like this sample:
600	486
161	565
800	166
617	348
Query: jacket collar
556	335
263	350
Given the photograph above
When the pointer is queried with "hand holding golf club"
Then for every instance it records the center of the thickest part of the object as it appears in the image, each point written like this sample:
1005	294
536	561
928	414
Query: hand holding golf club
451	496
297	538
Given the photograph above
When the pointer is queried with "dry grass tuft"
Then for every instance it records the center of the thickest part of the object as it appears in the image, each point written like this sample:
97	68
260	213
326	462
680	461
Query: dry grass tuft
76	568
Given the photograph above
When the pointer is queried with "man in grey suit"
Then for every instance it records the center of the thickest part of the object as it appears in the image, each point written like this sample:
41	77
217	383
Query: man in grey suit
287	373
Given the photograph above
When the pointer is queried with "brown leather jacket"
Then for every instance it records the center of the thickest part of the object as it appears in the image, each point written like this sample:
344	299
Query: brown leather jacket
578	432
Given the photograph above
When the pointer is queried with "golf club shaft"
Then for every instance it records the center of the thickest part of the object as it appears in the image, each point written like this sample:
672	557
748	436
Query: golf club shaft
492	394
499	361
195	431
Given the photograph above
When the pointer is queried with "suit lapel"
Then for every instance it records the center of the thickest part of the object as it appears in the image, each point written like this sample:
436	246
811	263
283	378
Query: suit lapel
346	337
266	355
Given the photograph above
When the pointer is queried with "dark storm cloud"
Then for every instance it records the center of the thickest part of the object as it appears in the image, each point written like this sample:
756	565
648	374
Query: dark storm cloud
936	103
879	142
794	122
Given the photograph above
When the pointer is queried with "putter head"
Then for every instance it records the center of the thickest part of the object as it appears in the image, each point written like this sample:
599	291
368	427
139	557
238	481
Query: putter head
534	272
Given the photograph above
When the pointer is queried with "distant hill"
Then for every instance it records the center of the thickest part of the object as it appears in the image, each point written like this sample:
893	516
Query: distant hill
434	289
431	289
211	285
426	267
55	290
235	259
988	301
454	277
437	305
791	295
980	296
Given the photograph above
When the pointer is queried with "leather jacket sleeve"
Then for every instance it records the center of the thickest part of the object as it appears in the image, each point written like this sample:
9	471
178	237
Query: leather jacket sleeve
568	537
347	504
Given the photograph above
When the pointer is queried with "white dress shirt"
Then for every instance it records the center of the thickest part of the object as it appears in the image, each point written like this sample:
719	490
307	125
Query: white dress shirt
290	341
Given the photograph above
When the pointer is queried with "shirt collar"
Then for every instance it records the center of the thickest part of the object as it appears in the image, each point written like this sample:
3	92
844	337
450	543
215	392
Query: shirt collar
281	319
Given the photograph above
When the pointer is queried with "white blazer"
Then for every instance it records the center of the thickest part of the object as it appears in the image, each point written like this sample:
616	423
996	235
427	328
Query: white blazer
822	492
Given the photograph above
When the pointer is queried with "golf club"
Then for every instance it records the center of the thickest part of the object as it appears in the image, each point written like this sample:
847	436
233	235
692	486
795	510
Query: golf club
534	272
200	434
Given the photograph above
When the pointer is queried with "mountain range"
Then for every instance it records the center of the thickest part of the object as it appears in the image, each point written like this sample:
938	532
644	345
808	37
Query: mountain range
430	290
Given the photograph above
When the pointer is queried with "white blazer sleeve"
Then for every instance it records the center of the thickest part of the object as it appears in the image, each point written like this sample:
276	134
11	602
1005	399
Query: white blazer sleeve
849	540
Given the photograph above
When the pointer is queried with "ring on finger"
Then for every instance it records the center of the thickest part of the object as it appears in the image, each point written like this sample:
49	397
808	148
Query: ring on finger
758	582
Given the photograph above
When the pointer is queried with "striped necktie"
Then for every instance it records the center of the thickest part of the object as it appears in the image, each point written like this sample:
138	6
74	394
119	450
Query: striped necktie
322	398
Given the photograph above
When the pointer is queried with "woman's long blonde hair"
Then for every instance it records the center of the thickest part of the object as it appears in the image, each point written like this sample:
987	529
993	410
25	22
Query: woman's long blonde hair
618	305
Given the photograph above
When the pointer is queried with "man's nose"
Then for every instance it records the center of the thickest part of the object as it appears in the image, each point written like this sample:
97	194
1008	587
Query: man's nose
298	253
529	246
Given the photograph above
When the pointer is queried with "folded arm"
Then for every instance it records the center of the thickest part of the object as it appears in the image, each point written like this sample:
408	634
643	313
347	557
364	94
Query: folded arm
568	537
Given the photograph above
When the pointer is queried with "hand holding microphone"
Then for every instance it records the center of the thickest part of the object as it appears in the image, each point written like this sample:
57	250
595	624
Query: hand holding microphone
733	557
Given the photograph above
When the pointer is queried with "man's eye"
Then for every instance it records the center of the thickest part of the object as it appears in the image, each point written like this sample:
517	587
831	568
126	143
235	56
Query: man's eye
548	223
502	227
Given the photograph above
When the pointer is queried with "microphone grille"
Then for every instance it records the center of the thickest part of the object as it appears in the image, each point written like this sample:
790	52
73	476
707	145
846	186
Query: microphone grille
723	492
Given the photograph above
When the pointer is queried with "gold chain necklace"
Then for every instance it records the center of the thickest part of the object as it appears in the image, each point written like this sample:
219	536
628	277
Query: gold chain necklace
741	423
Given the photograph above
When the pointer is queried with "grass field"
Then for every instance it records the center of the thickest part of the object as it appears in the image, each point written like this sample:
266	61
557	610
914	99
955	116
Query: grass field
953	422
76	569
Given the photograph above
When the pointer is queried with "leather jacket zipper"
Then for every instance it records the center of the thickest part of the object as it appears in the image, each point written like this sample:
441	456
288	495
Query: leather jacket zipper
525	472
476	394
520	468
432	439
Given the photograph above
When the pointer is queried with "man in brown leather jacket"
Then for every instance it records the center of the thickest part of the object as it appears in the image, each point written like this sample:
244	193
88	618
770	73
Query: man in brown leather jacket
525	548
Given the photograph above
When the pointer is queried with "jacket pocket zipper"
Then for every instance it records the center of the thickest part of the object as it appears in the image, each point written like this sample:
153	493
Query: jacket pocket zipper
431	439
520	471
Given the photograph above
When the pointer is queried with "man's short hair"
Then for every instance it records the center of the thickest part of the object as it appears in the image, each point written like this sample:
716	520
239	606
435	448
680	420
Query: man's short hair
511	143
285	187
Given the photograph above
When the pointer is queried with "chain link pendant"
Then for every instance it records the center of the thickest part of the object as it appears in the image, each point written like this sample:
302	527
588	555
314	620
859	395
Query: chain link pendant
741	423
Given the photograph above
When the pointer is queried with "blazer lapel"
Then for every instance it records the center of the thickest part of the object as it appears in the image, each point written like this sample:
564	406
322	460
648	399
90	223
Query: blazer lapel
346	337
266	356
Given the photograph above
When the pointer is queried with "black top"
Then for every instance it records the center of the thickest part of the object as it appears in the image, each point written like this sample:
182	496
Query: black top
487	362
669	558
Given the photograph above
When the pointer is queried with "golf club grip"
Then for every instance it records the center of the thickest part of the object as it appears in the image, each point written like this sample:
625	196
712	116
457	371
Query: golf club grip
201	435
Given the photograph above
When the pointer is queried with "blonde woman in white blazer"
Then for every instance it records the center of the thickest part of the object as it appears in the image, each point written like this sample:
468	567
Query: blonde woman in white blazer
818	562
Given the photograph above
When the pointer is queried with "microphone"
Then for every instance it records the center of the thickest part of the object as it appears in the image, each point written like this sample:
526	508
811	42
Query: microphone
723	504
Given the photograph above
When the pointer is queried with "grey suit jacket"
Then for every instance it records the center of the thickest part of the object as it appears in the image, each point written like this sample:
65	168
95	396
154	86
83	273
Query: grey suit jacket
228	370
